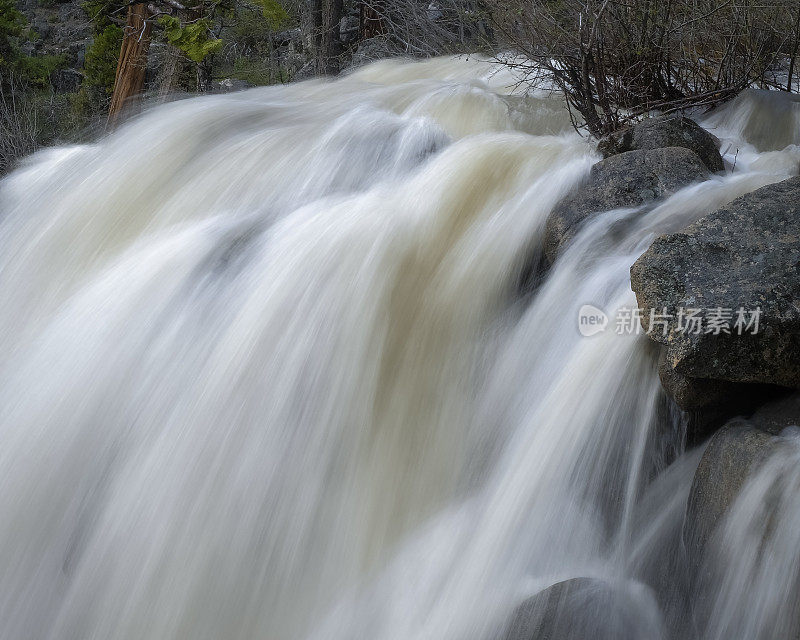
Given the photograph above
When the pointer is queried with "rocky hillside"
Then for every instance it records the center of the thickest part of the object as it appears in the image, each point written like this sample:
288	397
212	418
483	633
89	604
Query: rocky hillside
59	74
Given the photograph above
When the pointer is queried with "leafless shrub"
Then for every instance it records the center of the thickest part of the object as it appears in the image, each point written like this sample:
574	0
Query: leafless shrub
433	27
20	125
616	60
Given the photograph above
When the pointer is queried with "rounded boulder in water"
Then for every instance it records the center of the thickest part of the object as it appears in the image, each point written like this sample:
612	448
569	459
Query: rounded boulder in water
628	180
582	608
732	454
666	131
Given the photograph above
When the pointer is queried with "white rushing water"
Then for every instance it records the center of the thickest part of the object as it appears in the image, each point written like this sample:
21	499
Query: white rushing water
268	372
755	559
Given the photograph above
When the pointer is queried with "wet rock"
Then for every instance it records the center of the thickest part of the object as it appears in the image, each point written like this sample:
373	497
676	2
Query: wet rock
629	179
728	459
740	269
372	50
709	404
731	455
739	526
691	394
665	131
583	608
778	415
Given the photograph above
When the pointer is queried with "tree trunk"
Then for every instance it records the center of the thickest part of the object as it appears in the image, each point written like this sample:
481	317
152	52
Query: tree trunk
793	57
317	26
370	22
332	40
204	68
132	62
169	76
327	16
204	75
589	110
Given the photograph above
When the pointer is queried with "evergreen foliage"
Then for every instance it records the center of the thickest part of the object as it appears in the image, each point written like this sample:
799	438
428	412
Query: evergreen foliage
195	39
101	59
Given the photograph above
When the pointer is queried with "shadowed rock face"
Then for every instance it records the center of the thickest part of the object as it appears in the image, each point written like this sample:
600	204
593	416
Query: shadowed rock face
731	455
666	131
740	526
728	459
710	403
586	608
743	256
629	179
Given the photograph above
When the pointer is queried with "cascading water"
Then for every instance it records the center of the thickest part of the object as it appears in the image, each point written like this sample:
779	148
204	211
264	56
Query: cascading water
269	372
753	588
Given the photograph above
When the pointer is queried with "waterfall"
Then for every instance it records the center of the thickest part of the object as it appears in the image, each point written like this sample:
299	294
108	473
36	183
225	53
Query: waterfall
753	588
760	120
269	371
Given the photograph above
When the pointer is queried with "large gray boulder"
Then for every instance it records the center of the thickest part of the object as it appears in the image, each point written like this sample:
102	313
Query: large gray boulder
629	179
734	457
583	608
665	131
745	256
733	454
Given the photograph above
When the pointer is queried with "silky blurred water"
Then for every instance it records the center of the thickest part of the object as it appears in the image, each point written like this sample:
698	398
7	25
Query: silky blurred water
268	370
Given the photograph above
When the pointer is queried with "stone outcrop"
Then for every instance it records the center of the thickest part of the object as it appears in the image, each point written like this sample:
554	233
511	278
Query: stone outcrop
583	608
739	268
627	180
730	457
665	131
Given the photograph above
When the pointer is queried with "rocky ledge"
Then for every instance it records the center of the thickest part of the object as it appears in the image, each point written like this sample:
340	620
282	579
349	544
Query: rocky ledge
725	293
627	180
662	132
